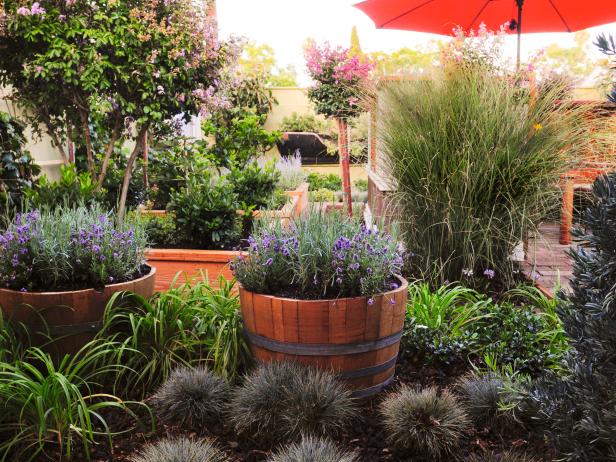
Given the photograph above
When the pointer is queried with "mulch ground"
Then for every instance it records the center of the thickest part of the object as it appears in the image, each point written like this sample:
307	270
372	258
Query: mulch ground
367	438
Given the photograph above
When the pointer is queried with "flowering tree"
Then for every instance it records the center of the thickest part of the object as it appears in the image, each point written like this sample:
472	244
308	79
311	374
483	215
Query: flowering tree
123	66
339	82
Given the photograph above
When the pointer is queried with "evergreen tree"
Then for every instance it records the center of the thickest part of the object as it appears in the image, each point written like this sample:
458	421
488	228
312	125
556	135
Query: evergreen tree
355	49
578	406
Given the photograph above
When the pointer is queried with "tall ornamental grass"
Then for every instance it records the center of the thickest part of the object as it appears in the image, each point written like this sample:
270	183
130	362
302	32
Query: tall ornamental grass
476	160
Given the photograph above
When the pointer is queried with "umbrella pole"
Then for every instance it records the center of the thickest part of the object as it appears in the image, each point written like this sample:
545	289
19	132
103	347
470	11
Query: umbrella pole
519	29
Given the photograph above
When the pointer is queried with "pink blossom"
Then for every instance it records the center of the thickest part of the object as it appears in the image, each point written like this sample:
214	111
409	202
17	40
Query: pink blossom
37	9
23	11
39	69
70	3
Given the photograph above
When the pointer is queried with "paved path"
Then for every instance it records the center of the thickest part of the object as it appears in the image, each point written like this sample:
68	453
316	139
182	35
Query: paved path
546	260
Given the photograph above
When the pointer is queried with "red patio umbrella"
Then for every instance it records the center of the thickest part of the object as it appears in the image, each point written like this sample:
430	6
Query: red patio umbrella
441	16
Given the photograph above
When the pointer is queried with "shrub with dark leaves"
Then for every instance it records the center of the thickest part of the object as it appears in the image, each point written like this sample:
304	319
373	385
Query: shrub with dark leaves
424	422
191	397
578	408
181	450
312	450
281	401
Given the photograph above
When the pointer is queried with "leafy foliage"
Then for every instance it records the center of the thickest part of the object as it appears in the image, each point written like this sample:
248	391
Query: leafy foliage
454	323
319	256
206	212
305	123
280	401
191	397
577	407
254	184
491	182
17	167
291	173
329	181
427	423
72	189
185	326
181	449
311	449
47	404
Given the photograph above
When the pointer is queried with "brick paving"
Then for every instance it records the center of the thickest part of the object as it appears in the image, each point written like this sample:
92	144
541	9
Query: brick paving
546	260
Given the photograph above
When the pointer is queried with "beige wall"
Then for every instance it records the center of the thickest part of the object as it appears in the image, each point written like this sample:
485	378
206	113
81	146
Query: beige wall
290	100
43	152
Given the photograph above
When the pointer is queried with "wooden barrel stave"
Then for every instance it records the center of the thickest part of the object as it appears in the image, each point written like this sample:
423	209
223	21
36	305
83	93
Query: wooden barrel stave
358	339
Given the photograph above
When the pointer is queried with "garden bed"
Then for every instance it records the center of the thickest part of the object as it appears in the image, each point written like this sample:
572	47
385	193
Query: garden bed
365	436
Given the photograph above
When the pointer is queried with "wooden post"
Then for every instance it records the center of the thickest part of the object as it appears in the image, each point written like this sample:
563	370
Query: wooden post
345	163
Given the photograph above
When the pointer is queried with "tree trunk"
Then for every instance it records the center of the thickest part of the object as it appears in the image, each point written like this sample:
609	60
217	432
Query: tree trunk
85	127
115	134
129	171
146	180
345	163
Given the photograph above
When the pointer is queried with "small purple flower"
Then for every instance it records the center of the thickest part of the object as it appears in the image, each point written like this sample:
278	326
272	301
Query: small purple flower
96	248
371	301
468	272
23	289
489	273
394	285
392	301
269	262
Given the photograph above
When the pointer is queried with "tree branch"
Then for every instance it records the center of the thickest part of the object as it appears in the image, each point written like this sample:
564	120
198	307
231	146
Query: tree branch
129	170
115	135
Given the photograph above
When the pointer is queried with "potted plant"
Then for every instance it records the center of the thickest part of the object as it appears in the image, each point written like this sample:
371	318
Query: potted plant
324	291
58	270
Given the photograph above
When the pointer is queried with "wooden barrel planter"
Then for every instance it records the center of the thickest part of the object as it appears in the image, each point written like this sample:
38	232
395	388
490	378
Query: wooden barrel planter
356	337
72	318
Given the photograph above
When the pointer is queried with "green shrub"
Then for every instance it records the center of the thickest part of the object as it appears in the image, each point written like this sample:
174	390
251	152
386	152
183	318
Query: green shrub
181	450
454	324
73	188
426	423
70	248
192	397
305	123
17	167
184	326
47	405
160	229
318	181
483	395
253	184
319	256
576	406
280	401
206	213
238	141
311	449
323	195
475	164
361	185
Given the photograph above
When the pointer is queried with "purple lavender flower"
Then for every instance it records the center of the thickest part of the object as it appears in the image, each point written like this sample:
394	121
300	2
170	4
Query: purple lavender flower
489	273
371	301
269	262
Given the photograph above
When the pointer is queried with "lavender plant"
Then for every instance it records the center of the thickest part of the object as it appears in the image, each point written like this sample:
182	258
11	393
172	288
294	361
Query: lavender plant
319	256
67	249
291	173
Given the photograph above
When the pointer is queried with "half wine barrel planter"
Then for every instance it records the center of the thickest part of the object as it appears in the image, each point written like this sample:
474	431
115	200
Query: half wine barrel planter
351	336
71	318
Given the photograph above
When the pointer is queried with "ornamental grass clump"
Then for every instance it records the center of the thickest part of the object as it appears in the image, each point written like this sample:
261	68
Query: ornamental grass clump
507	456
475	160
181	450
311	449
424	422
319	256
68	249
281	401
192	397
483	395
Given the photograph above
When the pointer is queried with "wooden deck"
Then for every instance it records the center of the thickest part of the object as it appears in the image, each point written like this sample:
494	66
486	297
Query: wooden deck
546	261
